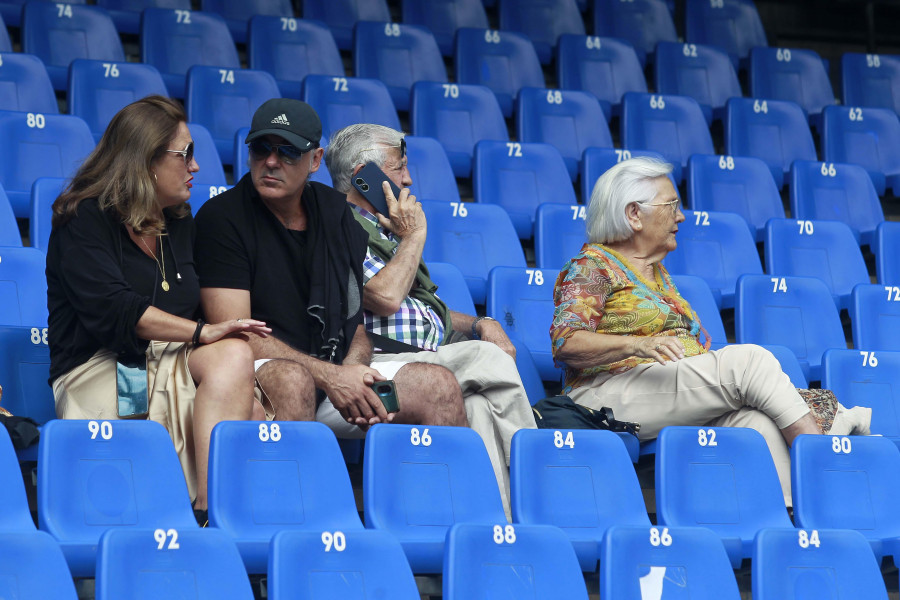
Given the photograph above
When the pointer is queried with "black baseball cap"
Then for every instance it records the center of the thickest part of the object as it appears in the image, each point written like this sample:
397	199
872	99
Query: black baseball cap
293	120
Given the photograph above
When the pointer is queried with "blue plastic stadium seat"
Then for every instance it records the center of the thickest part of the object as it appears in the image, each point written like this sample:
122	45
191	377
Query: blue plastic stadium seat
867	137
398	55
474	237
674	126
24	371
875	316
716	246
224	100
823	249
342	15
871	80
364	565
444	17
169	563
33	567
569	120
663	562
521	300
25	84
542	21
789	364
857	475
740	184
865	377
126	14
772	130
418	481
11	11
559	234
209	181
503	61
342	101
705	73
98	89
531	378
582	481
237	13
95	475
839	192
175	40
260	485
733	25
791	563
721	478
606	67
9	229
797	312
699	295
14	514
793	74
5	43
529	561
596	161
458	116
520	177
643	23
452	287
23	287
58	34
430	170
887	252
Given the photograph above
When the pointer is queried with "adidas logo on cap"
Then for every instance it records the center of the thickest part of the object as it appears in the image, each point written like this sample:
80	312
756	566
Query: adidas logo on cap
281	120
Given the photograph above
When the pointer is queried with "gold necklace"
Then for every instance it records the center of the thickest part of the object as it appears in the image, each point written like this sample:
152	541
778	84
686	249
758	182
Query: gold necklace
161	265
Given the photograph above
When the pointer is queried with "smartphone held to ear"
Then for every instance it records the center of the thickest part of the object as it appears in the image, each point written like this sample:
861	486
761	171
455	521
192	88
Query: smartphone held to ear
388	394
368	183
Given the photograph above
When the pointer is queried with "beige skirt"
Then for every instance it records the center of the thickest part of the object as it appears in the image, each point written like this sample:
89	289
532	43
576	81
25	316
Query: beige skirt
89	392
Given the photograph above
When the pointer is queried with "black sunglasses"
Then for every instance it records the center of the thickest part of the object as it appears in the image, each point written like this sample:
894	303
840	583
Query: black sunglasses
261	149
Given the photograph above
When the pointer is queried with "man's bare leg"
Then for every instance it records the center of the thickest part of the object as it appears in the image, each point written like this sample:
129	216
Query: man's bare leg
429	395
290	388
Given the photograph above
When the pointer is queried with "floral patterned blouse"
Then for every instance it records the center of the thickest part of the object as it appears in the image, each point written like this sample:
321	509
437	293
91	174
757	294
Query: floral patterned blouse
600	291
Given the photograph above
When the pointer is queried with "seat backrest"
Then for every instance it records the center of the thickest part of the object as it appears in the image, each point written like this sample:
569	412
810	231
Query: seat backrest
5	43
342	15
871	80
866	378
740	184
702	72
478	565
559	234
175	40
867	137
26	84
674	126
364	564
210	179
875	315
701	298
543	21
857	475
342	101
643	23
772	130
836	191
887	252
730	24
717	246
789	364
521	299
9	229
126	14
224	100
398	55
458	116
170	563
790	563
430	170
502	61
520	176
237	13
596	161
797	312
58	34
569	120
34	567
793	74
685	560
604	66
444	18
452	287
531	378
24	371
823	249
14	514
23	287
99	89
418	481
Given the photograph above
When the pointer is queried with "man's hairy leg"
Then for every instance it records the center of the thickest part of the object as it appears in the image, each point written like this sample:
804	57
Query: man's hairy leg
429	395
290	388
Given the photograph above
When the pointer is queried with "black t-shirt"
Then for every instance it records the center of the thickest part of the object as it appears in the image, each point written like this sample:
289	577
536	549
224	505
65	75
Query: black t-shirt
99	283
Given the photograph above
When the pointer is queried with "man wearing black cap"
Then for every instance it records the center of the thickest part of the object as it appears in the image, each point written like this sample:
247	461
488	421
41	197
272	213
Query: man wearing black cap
281	246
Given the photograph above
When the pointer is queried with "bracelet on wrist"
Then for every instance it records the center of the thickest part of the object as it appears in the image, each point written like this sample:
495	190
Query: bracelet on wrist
196	339
477	320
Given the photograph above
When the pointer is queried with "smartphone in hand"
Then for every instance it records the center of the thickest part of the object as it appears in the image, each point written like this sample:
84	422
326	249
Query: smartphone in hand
388	394
368	183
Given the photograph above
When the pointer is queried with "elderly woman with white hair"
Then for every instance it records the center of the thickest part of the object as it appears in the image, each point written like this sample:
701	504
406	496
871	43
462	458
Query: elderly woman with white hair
631	342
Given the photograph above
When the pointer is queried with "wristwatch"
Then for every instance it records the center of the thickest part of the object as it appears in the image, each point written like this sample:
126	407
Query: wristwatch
475	335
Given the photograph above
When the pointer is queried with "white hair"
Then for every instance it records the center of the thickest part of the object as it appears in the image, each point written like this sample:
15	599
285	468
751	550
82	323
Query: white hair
626	182
358	144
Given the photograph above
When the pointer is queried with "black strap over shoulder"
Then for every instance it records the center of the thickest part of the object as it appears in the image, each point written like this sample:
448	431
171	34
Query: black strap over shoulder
388	345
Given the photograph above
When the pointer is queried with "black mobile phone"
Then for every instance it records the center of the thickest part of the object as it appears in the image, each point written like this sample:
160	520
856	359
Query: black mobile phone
388	394
368	182
131	388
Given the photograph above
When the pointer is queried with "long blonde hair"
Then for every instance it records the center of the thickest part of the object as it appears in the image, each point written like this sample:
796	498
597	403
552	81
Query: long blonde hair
118	172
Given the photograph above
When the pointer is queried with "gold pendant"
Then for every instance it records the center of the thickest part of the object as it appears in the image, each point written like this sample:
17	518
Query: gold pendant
165	285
